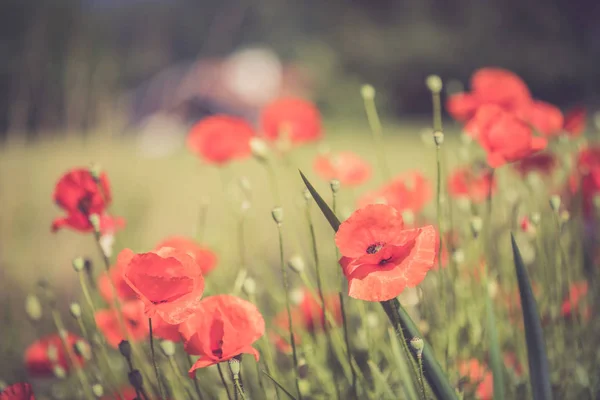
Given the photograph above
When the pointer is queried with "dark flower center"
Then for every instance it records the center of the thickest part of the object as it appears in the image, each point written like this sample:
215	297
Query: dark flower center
374	248
84	204
218	352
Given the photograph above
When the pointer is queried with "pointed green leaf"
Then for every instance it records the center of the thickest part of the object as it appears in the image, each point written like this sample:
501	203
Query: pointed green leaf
539	371
327	212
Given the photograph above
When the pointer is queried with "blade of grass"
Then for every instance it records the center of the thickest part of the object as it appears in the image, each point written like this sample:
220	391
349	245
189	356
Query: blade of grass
383	382
536	349
284	390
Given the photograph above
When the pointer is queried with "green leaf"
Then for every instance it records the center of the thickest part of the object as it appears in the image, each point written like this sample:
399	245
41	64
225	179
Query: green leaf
431	368
291	396
536	349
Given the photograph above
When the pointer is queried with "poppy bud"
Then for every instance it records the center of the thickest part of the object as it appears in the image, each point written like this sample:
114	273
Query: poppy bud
302	368
306	194
33	307
83	349
78	264
249	286
535	218
367	92
458	256
438	138
125	349
555	202
95	171
564	216
59	372
476	226
168	348
277	214
52	353
296	296
135	379
417	344
75	310
234	367
408	217
259	149
434	83
334	184
95	221
98	390
296	263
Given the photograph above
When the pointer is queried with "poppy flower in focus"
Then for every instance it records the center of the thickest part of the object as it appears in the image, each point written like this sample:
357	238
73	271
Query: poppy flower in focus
219	139
543	163
545	118
503	136
205	258
17	391
168	281
577	293
379	257
347	167
410	191
298	119
223	327
123	290
134	320
575	121
47	352
474	184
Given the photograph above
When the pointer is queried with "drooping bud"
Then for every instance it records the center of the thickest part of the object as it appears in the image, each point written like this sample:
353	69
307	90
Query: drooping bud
75	310
168	348
535	218
302	368
367	92
135	379
95	221
296	263
78	264
83	349
277	214
334	184
555	202
59	372
234	367
476	226
249	286
260	149
434	83
438	138
33	307
418	345
98	390
95	171
125	349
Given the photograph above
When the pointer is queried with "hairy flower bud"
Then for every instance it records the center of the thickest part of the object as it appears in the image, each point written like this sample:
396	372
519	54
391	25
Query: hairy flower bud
367	92
78	264
434	83
277	214
75	310
33	307
296	263
135	379
125	349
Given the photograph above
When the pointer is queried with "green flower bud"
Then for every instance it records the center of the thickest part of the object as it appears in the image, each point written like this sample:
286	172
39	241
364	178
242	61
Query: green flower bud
434	83
75	310
33	307
277	214
78	264
367	92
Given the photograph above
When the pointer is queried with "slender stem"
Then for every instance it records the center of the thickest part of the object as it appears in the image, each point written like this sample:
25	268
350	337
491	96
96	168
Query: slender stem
239	389
421	377
196	383
178	375
158	382
224	382
348	347
277	384
377	133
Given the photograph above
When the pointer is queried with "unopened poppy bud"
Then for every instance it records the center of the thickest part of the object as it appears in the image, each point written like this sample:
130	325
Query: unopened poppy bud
564	216
476	226
52	353
95	171
78	264
438	138
59	372
33	307
277	214
249	286
372	320
535	218
306	194
83	349
458	256
260	149
367	92
135	379
408	217
555	202
125	349
168	348
417	344
302	368
95	221
75	310
234	367
296	263
334	184
98	390
434	83
296	296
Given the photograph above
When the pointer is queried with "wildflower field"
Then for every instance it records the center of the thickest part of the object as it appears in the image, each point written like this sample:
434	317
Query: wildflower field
300	257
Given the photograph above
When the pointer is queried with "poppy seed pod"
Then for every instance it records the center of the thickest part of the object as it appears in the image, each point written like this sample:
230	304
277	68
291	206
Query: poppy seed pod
367	92
434	84
78	264
234	367
277	214
98	390
75	310
417	344
83	349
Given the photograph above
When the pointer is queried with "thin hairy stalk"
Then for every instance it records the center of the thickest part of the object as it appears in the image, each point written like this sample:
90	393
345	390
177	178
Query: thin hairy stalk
348	347
376	130
224	381
421	377
179	376
154	364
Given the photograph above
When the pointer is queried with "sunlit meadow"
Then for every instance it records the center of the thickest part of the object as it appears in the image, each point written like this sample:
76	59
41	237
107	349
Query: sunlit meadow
464	263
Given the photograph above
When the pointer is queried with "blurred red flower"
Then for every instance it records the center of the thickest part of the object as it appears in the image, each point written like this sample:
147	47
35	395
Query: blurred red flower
543	163
168	281
223	327
123	290
379	257
134	320
575	121
299	119
512	363
577	293
479	378
219	139
347	167
587	177
17	391
205	258
164	330
503	136
47	352
410	191
545	118
471	183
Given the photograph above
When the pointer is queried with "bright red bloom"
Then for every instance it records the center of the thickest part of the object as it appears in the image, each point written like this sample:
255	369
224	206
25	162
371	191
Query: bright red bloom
124	292
410	191
543	163
545	118
471	183
299	119
219	139
205	258
17	391
224	327
47	352
577	293
575	121
503	136
166	331
347	167
379	257
134	319
168	281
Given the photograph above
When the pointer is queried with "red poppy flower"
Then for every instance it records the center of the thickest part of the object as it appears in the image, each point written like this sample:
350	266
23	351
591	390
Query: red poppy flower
205	258
577	293
347	167
47	352
472	183
168	281
575	121
380	257
223	327
410	191
219	139
526	225
545	118
588	177
485	389
123	290
503	136
543	163
17	391
165	331
135	322
299	119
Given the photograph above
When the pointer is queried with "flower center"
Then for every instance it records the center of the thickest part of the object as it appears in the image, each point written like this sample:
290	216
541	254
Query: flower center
218	352
374	248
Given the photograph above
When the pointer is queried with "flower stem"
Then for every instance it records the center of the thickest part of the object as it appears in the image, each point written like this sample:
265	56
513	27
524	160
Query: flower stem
224	382
196	383
348	347
376	131
421	377
158	382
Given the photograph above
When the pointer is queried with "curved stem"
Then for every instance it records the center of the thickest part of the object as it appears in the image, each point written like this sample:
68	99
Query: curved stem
224	382
160	392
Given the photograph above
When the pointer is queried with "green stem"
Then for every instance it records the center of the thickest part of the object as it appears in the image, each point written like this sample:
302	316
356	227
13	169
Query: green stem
348	347
377	133
178	375
421	377
196	383
158	382
224	381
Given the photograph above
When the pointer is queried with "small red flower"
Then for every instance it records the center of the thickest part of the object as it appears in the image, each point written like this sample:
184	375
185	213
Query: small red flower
205	258
471	183
17	391
297	118
379	257
503	136
219	139
47	352
410	191
168	281
224	327
347	167
545	118
124	292
134	320
543	163
577	293
575	121
588	177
